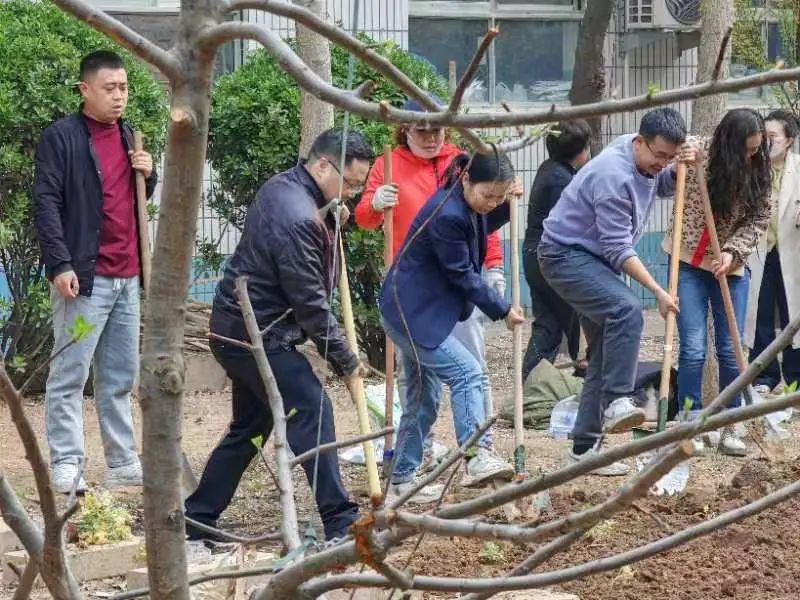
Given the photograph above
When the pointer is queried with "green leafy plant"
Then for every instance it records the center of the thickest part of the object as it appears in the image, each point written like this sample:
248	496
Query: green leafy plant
41	48
101	520
254	133
492	553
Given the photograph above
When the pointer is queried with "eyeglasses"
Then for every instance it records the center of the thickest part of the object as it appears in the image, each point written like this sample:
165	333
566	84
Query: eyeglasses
356	188
658	155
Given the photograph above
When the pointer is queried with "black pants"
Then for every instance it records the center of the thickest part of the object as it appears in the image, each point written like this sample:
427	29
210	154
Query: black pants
301	390
552	319
771	295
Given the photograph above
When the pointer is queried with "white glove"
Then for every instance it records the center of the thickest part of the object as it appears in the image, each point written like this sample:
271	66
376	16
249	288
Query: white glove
385	197
496	278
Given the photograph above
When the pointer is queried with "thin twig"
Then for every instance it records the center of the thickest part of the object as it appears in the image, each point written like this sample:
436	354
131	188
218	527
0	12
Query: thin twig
721	55
472	69
44	365
299	460
658	520
268	468
231	341
232	537
285	314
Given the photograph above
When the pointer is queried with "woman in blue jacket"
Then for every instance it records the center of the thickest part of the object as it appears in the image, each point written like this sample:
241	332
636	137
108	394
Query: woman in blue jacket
434	283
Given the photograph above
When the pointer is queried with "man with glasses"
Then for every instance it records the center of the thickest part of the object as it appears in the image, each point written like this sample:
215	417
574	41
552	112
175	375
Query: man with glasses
289	255
588	242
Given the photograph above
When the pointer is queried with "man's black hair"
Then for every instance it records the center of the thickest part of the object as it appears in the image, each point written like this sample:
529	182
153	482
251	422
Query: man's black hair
329	144
666	122
99	59
568	139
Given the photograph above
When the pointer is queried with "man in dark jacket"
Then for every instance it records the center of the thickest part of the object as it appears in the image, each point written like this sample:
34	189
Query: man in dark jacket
288	253
568	150
85	216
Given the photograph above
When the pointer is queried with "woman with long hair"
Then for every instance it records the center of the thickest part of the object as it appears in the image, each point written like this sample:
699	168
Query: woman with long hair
774	283
420	159
434	283
737	171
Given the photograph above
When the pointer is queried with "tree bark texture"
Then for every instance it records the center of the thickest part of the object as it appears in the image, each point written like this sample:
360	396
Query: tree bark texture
316	116
589	76
706	114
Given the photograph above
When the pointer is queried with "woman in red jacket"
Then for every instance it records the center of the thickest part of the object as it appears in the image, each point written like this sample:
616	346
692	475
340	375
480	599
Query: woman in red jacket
419	161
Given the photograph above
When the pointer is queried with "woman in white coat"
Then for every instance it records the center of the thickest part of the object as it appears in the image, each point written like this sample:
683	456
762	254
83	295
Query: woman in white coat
775	280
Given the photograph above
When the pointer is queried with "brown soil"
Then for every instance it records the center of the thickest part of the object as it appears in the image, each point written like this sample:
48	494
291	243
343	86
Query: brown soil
757	559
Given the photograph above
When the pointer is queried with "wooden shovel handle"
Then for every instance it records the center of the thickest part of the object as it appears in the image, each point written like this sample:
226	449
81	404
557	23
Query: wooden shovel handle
142	217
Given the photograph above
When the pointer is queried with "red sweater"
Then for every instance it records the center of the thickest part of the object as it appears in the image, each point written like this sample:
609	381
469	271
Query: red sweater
417	179
119	243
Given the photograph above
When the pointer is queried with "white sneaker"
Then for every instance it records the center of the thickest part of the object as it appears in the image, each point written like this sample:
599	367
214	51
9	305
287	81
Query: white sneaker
616	469
125	476
700	447
762	390
731	444
486	465
622	415
427	495
64	475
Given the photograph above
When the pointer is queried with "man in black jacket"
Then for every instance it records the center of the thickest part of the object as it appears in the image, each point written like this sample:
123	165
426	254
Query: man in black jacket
288	253
568	150
85	217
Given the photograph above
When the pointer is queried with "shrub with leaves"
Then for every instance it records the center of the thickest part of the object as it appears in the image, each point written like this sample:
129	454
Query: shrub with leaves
101	520
254	134
41	48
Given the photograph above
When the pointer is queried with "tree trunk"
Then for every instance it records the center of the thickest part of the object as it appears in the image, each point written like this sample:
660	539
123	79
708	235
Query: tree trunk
717	19
316	116
589	76
162	369
706	114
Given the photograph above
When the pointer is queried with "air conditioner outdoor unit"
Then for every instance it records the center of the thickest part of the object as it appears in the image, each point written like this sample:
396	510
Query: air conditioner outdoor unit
663	14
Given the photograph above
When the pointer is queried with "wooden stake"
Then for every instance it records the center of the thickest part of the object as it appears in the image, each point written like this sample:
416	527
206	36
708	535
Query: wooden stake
519	425
674	264
356	384
141	213
388	250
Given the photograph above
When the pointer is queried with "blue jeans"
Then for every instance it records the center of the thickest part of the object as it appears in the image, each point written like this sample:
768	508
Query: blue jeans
696	288
611	318
450	363
113	348
471	334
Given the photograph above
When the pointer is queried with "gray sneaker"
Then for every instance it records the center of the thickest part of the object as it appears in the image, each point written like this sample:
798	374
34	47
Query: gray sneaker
427	495
125	476
622	415
485	466
616	469
731	444
64	475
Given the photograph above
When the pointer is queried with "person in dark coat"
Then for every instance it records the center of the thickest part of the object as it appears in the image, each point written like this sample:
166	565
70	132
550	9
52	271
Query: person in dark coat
287	251
434	283
553	319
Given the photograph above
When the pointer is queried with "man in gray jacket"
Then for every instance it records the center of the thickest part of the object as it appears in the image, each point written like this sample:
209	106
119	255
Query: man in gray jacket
588	241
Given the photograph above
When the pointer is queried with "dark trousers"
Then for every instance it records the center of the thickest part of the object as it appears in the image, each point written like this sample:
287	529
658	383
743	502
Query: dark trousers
611	316
771	295
301	391
553	318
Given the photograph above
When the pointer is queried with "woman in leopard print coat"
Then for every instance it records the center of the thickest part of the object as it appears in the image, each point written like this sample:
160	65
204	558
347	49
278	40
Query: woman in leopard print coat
737	171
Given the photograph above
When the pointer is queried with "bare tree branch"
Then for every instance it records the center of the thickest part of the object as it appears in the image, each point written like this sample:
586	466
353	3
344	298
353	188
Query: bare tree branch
164	61
289	527
232	537
230	341
511	492
55	570
469	74
354	46
27	580
443	584
721	55
299	460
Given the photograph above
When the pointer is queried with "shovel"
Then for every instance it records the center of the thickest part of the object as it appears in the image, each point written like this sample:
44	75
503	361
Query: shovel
675	481
388	245
750	395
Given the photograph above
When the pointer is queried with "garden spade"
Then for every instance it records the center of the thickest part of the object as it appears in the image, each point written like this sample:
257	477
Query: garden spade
388	245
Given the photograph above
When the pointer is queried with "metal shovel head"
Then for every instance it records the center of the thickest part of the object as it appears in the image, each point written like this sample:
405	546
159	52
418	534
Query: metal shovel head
672	483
